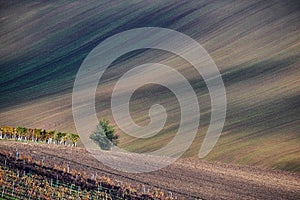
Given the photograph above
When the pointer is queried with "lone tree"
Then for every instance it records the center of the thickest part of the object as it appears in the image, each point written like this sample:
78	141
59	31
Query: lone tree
104	135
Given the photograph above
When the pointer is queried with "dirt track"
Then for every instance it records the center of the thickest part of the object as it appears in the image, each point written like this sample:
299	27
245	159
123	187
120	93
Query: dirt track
186	177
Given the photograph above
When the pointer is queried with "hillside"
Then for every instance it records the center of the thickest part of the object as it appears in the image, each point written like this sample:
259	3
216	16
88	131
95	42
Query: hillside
255	44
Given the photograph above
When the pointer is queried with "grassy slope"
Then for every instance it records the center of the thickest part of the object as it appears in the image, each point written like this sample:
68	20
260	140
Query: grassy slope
255	45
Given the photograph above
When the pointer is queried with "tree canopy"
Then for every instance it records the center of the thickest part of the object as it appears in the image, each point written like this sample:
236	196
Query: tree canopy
104	135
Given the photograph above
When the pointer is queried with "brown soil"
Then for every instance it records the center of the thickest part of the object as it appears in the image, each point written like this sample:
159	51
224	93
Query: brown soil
187	178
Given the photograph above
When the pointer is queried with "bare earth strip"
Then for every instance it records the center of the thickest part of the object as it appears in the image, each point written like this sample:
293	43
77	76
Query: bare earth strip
187	178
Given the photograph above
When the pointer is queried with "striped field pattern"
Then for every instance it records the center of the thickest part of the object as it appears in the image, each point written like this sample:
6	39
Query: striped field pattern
255	44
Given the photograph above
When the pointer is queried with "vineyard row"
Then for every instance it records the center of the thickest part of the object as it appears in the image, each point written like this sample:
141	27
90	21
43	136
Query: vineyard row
23	178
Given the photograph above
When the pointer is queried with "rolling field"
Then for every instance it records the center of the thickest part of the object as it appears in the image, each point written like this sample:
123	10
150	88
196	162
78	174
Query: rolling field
255	45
